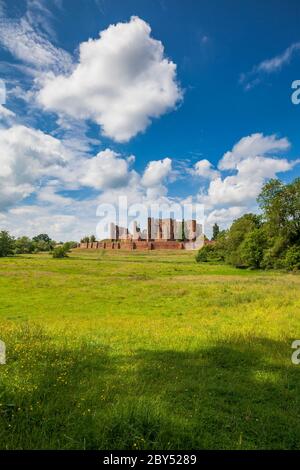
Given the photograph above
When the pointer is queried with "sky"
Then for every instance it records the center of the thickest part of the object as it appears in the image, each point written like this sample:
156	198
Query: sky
160	101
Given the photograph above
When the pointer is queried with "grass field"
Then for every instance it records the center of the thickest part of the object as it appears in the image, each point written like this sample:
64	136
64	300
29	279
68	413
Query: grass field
150	350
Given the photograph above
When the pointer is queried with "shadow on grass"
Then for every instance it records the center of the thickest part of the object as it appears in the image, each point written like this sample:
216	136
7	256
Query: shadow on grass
232	395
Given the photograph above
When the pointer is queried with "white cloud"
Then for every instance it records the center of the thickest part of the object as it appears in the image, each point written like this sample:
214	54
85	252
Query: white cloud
6	113
21	39
205	169
277	62
32	220
106	170
122	80
156	172
27	155
268	66
32	161
224	216
253	165
252	146
49	194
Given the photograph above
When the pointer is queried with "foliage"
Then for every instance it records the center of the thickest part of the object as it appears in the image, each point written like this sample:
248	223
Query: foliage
24	245
61	251
7	244
236	235
292	257
203	254
281	208
216	231
252	248
43	242
210	253
42	237
72	244
271	240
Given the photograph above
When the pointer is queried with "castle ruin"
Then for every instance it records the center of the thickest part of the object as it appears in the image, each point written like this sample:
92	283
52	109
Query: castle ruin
160	234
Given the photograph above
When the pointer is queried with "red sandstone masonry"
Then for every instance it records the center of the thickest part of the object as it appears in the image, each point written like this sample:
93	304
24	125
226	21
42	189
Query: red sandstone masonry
167	245
140	245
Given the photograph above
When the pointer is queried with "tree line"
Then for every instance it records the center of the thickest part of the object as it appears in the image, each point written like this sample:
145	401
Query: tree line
268	240
10	245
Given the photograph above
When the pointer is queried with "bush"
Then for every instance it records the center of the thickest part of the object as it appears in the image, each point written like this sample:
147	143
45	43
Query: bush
292	258
61	251
202	255
208	253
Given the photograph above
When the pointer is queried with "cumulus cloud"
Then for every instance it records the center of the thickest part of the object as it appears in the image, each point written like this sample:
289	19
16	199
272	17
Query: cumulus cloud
251	160
33	161
156	172
121	82
251	146
6	113
32	220
205	169
71	218
106	170
50	194
224	216
27	155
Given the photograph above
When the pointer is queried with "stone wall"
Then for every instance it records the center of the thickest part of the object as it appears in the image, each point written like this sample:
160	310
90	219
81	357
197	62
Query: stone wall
139	245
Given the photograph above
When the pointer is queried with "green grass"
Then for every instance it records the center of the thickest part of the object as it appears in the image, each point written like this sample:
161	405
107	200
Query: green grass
110	350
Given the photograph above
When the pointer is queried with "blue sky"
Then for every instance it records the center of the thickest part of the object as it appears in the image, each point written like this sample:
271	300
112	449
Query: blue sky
174	101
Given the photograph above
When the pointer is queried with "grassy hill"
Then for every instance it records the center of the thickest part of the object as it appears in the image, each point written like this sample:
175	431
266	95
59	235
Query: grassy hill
147	351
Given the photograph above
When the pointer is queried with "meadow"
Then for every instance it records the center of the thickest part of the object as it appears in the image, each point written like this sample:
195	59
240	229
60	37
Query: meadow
110	350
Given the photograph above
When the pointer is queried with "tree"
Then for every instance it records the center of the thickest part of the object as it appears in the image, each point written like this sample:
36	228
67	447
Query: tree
236	235
182	235
280	205
271	240
7	244
42	237
92	238
41	246
85	240
43	242
24	245
252	248
216	231
281	209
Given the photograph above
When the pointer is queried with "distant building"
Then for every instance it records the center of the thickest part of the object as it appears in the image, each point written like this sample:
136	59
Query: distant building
159	234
